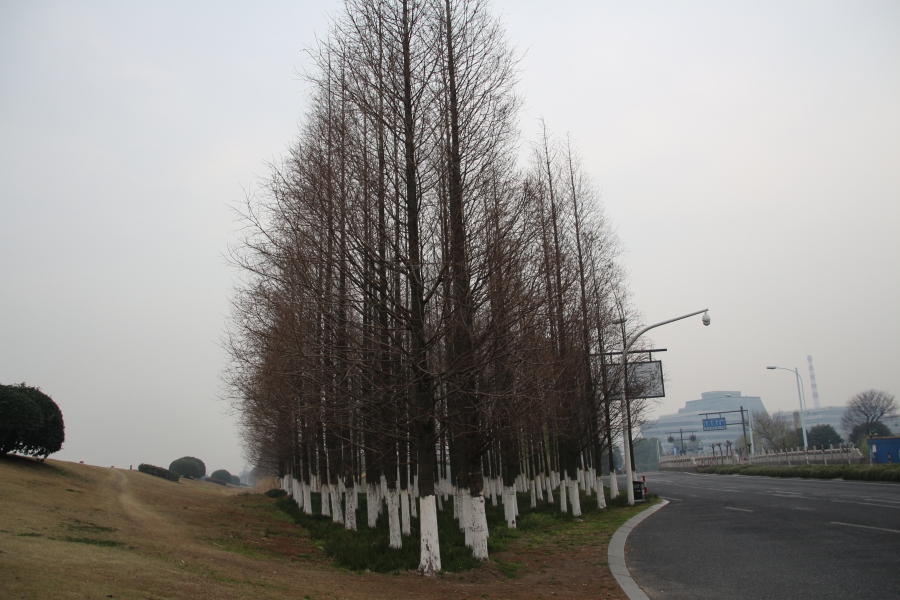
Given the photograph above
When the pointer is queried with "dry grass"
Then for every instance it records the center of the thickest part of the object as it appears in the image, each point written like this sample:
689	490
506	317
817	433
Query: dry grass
76	531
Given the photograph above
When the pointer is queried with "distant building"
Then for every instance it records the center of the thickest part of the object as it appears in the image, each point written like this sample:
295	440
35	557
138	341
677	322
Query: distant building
827	415
688	421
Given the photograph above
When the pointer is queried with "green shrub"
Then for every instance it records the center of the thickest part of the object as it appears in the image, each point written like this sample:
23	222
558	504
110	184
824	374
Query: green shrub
213	480
850	472
188	466
235	480
158	472
276	493
30	421
221	475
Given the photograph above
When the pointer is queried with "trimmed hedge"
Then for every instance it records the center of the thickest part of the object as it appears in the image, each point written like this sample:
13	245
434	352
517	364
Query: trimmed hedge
212	479
221	475
188	466
159	472
848	472
30	421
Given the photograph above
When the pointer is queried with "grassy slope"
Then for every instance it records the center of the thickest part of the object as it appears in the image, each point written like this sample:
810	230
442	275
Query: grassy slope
76	531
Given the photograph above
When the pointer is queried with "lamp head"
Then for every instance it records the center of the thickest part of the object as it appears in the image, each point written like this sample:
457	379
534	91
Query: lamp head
771	367
706	318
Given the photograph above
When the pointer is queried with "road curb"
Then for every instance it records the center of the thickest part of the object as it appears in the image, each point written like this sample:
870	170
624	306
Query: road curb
616	554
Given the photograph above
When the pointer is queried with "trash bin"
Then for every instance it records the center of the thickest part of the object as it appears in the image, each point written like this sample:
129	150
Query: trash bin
638	490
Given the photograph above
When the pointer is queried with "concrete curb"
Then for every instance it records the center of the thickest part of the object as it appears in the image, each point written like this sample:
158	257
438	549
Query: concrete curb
616	554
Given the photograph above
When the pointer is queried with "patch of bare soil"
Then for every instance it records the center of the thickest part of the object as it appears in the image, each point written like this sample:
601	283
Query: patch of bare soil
77	531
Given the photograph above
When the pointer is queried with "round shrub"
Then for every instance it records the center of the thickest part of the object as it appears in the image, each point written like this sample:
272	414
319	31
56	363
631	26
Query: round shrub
235	480
221	475
30	421
188	466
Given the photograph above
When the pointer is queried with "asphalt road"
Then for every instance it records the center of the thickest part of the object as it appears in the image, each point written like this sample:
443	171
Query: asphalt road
727	536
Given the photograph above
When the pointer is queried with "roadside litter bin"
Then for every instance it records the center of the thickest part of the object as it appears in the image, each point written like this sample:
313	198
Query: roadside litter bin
638	490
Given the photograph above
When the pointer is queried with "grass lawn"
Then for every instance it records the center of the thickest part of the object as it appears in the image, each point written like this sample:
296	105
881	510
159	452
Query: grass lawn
77	531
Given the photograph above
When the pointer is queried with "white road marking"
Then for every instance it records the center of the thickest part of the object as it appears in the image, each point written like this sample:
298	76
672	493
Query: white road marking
675	499
864	526
865	504
740	509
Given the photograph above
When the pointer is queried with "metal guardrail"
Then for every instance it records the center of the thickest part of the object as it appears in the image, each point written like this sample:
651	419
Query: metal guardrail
795	457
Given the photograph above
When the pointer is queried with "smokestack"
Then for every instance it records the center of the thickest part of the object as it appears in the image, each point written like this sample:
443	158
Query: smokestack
812	383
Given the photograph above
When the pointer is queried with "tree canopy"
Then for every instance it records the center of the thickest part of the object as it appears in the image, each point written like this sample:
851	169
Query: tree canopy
823	435
30	421
188	466
221	475
864	430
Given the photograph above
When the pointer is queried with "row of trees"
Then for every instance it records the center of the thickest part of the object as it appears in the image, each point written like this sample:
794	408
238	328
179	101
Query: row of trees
864	416
415	308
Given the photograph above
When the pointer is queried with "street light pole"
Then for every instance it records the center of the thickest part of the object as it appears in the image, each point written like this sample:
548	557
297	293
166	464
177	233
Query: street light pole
800	398
629	474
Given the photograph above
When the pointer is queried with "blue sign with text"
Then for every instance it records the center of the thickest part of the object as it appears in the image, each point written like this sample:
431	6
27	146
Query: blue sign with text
713	424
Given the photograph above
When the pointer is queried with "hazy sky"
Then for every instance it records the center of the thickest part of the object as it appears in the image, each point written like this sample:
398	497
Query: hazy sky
748	153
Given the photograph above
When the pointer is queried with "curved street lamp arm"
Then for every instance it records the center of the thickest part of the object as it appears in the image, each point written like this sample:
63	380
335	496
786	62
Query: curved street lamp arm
649	327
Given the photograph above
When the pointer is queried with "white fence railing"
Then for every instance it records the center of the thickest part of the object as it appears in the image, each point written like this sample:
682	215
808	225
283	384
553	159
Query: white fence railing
795	457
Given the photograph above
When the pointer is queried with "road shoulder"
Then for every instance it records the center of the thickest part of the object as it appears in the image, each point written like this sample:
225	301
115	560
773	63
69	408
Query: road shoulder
616	554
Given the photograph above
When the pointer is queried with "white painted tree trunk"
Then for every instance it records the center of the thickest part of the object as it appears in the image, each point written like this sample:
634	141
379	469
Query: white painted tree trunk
429	548
404	512
350	505
539	488
372	501
307	499
465	517
509	507
478	519
613	485
413	498
533	494
549	489
326	501
575	498
601	497
337	513
563	505
393	507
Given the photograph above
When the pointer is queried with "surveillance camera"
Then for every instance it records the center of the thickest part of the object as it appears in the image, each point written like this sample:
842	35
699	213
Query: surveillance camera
706	318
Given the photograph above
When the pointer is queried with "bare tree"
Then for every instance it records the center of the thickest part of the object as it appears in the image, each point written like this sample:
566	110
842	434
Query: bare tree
867	408
775	432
